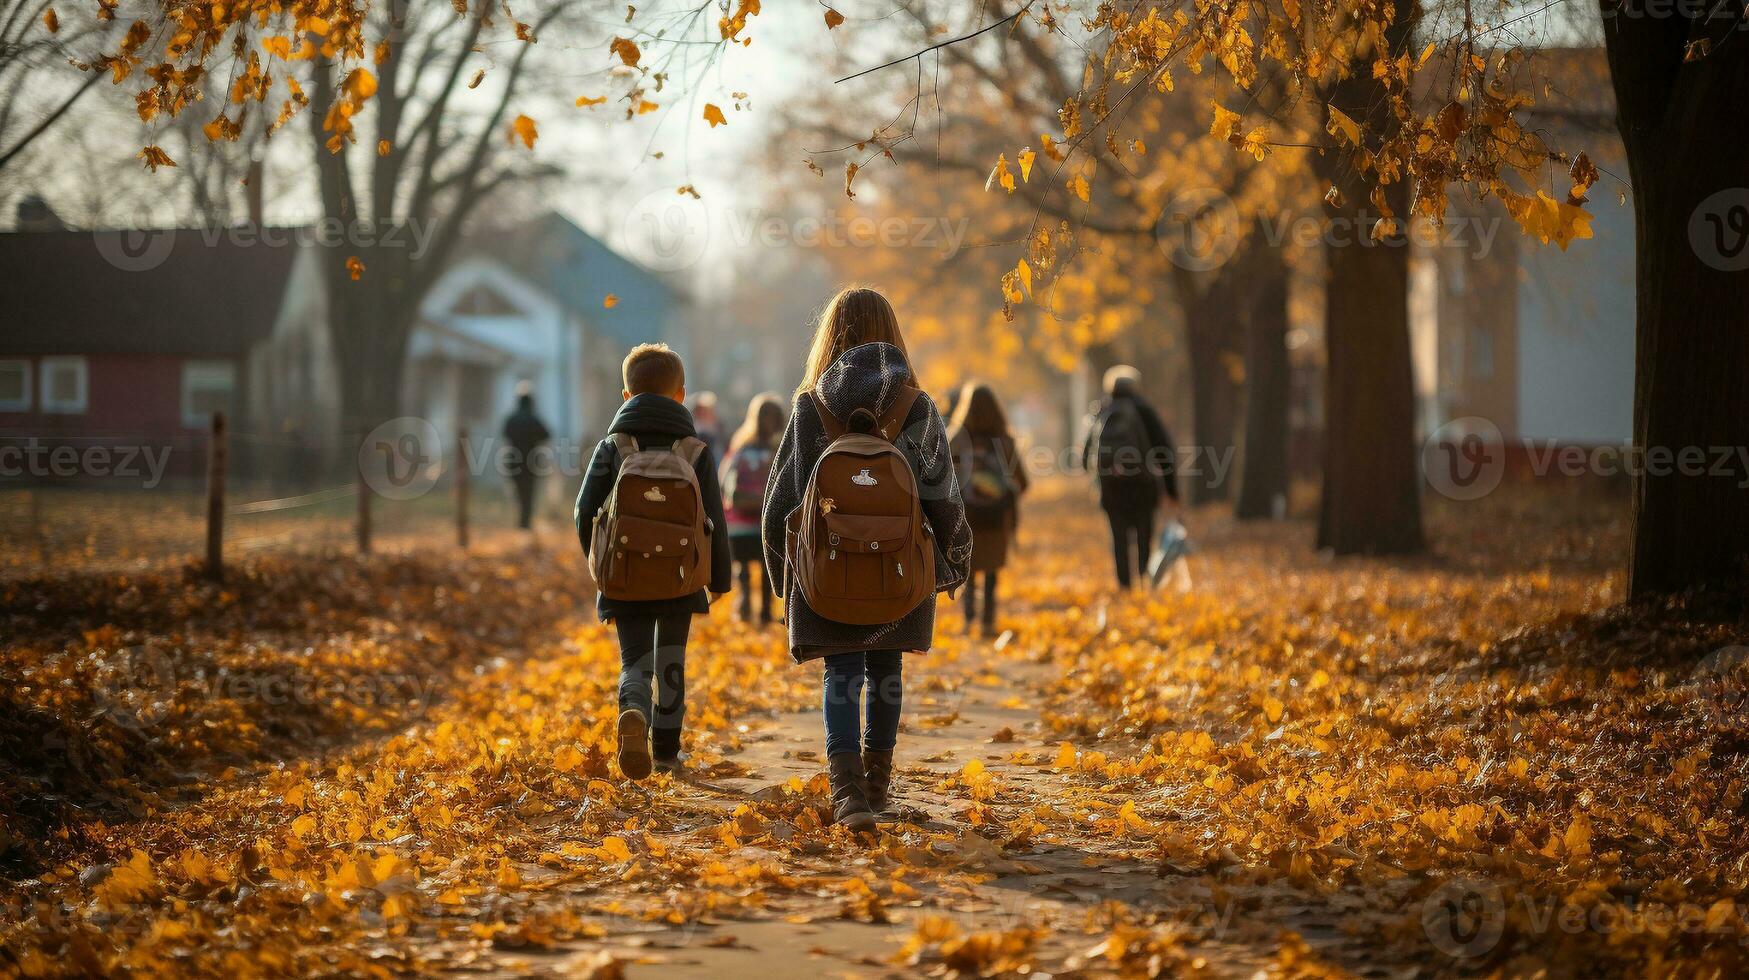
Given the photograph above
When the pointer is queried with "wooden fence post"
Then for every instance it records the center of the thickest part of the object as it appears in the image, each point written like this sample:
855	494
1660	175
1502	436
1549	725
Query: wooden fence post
216	452
362	528
461	486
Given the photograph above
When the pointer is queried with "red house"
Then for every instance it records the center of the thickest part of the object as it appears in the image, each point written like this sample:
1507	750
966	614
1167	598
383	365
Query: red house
130	343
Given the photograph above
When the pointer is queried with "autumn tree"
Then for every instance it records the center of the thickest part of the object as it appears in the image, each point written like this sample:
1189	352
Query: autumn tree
33	40
1679	75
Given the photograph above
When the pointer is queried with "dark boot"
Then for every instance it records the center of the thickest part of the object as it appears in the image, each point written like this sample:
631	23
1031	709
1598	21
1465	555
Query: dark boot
849	802
877	769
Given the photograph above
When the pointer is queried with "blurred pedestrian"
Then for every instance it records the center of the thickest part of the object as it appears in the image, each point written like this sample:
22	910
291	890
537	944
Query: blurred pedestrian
991	480
525	432
1131	455
709	425
746	470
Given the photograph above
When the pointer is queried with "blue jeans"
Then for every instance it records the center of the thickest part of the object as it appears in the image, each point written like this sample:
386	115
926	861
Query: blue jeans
652	657
846	676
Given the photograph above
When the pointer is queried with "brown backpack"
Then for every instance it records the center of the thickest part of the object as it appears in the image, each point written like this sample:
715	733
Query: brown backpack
857	545
651	538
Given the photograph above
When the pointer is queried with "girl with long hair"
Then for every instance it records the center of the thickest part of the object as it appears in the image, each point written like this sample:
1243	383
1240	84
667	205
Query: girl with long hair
746	470
991	480
858	367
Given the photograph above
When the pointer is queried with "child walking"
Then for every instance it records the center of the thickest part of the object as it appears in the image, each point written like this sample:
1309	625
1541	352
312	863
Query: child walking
992	479
746	470
650	518
863	525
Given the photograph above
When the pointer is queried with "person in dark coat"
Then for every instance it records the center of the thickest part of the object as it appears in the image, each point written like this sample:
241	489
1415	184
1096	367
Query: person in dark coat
858	361
653	633
525	433
1131	454
991	479
745	472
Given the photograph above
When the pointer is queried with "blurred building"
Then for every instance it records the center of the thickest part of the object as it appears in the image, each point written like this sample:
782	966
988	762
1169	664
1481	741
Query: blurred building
138	337
1536	341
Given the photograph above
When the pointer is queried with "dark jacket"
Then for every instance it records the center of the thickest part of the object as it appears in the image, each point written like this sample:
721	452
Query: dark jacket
1140	490
992	533
656	422
865	377
525	433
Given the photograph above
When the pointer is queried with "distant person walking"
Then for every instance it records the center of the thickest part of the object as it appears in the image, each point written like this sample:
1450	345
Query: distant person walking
991	480
525	433
1131	454
746	470
710	425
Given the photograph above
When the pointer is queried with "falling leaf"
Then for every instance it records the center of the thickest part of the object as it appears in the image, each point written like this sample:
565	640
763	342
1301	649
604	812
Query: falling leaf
155	157
584	101
609	301
51	21
523	128
626	49
479	76
833	18
714	115
384	148
1078	186
1025	159
354	267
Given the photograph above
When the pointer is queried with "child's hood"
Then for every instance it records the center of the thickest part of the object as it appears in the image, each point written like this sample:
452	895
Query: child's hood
868	376
654	414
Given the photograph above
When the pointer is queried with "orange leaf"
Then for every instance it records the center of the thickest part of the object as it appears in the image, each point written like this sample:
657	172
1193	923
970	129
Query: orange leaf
523	128
609	301
714	115
833	18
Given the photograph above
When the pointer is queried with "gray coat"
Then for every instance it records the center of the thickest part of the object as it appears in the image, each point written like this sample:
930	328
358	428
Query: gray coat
865	377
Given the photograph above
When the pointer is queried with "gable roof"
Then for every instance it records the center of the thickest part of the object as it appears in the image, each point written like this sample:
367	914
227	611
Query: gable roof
182	291
578	271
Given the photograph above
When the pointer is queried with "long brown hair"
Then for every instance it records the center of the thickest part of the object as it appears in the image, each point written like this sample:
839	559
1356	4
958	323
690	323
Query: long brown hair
763	425
858	315
978	413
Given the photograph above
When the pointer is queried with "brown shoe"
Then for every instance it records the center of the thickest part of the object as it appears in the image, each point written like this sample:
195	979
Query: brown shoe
634	744
877	771
849	803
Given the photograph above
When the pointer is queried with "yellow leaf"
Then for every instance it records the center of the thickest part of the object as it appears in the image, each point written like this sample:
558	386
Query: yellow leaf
1026	157
568	758
302	826
1342	127
1226	122
1078	185
1065	756
714	115
523	128
384	147
584	101
1025	272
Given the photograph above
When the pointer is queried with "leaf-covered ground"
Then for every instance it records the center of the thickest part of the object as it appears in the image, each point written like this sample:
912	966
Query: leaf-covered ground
1473	762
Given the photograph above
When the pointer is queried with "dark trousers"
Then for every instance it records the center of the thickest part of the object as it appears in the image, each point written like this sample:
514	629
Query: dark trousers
971	599
744	575
524	483
652	674
846	677
1126	524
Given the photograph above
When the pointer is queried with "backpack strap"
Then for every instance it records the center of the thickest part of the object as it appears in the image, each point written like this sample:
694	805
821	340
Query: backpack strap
625	443
894	420
689	448
828	421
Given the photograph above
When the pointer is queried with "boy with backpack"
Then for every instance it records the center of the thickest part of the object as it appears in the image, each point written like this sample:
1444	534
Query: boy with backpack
1131	454
650	519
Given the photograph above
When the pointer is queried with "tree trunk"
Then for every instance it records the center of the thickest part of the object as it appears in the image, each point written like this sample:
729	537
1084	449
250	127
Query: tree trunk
1689	167
1263	474
1212	332
1371	501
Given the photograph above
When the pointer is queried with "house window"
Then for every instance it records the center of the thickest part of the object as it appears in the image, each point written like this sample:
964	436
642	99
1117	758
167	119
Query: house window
207	387
64	385
14	386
